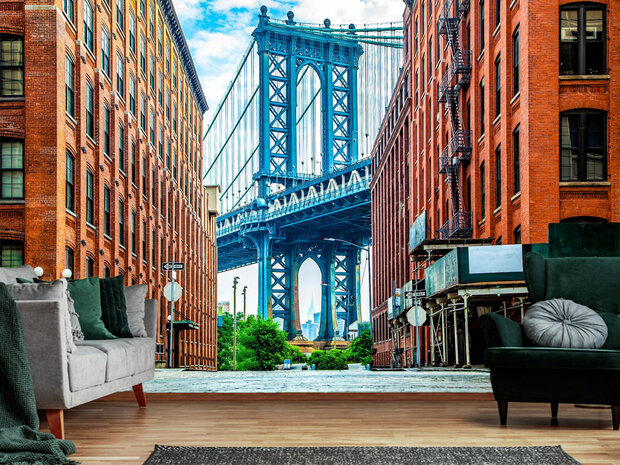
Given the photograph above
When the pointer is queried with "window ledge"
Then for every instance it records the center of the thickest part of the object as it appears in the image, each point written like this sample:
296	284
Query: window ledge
497	210
481	55
481	222
480	139
91	140
12	202
585	77
91	226
515	98
513	3
13	98
515	197
585	184
497	119
70	213
107	237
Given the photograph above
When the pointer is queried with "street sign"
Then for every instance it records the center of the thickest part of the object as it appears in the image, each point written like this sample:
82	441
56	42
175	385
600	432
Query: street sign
416	316
420	294
173	291
173	266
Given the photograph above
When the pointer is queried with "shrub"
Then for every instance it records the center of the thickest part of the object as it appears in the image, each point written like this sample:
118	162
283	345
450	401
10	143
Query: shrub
331	360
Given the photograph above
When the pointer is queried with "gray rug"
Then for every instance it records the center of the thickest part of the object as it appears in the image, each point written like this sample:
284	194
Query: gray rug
169	455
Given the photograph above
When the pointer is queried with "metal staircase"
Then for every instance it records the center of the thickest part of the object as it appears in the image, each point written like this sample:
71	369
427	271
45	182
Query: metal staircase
459	147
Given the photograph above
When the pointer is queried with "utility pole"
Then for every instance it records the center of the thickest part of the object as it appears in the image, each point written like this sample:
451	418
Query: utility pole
235	282
243	292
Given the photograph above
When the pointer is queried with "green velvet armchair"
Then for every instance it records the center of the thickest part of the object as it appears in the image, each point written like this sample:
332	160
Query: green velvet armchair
521	373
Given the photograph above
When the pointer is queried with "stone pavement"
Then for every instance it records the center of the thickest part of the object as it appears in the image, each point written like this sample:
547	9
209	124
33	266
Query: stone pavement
356	379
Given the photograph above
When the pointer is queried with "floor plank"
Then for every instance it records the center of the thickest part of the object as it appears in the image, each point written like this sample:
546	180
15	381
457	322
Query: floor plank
114	430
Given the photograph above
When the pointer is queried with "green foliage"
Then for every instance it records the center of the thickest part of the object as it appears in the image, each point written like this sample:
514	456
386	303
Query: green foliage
331	360
261	345
360	349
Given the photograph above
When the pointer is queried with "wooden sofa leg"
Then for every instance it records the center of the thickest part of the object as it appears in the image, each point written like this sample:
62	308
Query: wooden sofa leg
554	409
56	421
615	416
503	412
139	393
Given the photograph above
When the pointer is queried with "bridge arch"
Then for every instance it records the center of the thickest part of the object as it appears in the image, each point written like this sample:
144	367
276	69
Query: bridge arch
309	113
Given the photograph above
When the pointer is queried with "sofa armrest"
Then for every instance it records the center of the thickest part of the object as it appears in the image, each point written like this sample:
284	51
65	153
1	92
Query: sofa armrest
150	317
500	331
44	336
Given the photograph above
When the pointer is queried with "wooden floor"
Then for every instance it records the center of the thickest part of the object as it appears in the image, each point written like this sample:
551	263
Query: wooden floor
115	431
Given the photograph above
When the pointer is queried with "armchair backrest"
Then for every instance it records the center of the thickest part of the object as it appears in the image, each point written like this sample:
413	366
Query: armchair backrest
590	281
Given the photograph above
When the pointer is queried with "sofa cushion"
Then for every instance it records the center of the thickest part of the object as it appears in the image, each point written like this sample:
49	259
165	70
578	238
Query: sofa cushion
613	331
552	358
140	354
118	365
135	297
87	367
113	306
56	290
10	275
564	323
87	301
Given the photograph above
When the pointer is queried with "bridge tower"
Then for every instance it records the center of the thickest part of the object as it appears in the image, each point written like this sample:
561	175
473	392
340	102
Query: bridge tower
284	50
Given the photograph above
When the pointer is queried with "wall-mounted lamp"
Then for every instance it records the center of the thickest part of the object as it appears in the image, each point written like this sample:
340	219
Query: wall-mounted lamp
67	273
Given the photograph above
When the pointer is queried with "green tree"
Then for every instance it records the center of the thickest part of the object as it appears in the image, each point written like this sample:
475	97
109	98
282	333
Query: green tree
225	341
265	343
360	349
294	354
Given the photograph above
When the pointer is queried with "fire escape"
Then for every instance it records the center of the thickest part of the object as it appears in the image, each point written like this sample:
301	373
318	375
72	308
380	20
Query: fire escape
459	147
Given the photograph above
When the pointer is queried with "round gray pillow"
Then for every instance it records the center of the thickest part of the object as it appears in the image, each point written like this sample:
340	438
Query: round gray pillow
564	323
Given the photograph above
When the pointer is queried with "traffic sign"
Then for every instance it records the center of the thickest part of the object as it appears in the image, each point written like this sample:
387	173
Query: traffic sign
173	289
420	294
173	266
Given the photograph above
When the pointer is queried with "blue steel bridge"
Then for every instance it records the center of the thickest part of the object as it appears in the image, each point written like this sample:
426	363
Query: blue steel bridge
290	147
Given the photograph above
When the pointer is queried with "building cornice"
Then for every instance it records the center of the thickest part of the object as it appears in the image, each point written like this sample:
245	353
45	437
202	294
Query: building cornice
172	20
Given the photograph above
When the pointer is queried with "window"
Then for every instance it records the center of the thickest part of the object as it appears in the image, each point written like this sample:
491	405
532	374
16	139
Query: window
144	241
174	165
143	55
90	267
160	88
11	253
152	127
174	117
121	147
482	108
583	142
153	188
69	256
152	19
69	182
517	235
422	15
516	160
174	74
121	223
153	251
12	170
498	12
160	38
68	7
106	271
498	177
132	94
69	86
498	86
168	155
133	162
107	216
120	76
161	143
142	112
105	51
516	78
90	197
144	176
582	39
168	105
132	32
88	26
430	54
106	131
143	8
152	77
120	15
483	199
134	246
11	66
481	25
90	111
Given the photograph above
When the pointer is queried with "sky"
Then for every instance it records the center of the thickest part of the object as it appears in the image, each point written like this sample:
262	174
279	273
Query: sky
218	33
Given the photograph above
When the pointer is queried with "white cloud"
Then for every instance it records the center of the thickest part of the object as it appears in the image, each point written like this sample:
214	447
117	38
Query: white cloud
349	11
187	9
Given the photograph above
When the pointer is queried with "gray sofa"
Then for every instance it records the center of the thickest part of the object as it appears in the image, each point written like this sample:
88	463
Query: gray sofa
62	379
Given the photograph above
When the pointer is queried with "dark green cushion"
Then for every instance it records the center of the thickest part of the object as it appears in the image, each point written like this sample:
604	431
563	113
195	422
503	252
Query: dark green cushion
87	297
552	358
613	331
590	281
500	331
114	307
24	281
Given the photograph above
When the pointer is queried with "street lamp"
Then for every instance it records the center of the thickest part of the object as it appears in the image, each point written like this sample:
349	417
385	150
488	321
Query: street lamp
367	249
244	292
235	282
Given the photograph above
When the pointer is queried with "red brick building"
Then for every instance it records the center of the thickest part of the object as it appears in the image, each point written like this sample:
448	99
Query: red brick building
538	113
100	131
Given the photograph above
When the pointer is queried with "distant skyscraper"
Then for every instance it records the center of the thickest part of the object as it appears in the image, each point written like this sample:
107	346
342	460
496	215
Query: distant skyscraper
310	329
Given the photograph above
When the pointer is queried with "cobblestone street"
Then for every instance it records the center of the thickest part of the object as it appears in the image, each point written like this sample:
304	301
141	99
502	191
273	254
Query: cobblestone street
356	379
